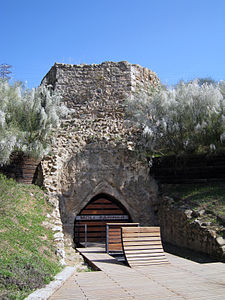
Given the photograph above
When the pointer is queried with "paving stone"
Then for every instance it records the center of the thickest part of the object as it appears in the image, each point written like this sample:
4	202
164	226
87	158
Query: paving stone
178	281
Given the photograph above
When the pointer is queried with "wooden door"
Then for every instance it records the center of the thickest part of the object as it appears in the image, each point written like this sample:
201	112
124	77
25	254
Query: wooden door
95	215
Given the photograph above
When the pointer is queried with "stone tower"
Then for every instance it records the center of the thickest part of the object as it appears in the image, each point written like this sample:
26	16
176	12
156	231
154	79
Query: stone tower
95	153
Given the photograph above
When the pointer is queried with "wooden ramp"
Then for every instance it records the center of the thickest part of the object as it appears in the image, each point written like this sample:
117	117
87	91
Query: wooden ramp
142	246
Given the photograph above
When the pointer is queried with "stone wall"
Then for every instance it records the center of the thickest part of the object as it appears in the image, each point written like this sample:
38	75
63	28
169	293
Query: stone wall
179	228
115	172
95	150
111	82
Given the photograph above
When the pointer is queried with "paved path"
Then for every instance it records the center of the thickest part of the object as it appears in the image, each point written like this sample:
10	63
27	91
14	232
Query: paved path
181	279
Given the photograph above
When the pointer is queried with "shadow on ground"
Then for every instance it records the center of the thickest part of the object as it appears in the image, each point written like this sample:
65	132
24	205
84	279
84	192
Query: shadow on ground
188	254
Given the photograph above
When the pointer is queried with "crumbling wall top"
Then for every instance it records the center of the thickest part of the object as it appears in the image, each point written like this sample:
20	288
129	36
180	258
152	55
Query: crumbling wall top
108	81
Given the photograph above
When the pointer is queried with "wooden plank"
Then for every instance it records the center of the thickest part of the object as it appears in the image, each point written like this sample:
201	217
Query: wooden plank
114	241
93	239
141	260
142	238
92	234
90	223
145	257
143	247
112	230
115	247
145	254
102	200
102	212
113	220
114	238
116	230
158	250
93	231
115	234
144	262
102	206
118	245
93	228
115	250
136	234
141	229
150	263
142	242
140	247
125	224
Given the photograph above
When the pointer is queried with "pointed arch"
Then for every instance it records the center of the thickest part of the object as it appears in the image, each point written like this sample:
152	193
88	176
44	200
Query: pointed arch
101	209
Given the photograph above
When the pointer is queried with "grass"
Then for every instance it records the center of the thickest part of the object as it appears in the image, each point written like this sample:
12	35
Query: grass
27	254
208	197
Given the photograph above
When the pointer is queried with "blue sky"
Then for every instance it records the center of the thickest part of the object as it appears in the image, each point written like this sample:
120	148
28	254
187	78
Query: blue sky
177	39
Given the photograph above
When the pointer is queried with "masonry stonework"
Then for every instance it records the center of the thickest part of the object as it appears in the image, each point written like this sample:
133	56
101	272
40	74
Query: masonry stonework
95	150
180	228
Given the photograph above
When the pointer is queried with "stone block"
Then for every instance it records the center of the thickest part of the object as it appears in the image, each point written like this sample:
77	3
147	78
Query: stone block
220	241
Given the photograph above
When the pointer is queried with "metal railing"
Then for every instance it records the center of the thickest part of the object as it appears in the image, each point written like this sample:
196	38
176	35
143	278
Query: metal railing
107	239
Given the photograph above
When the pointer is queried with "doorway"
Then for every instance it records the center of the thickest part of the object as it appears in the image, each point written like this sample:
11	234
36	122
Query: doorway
90	223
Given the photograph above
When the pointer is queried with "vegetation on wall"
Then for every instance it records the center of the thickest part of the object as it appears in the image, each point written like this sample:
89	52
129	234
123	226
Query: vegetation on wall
27	119
206	200
27	252
189	118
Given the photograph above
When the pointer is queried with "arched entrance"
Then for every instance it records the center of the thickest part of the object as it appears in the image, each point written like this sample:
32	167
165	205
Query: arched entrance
93	217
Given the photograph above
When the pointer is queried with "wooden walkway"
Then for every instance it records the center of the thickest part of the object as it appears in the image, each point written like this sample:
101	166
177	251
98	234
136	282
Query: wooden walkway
181	279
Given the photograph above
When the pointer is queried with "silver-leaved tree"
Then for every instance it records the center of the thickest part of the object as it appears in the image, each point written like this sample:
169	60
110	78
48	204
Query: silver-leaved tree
189	118
28	118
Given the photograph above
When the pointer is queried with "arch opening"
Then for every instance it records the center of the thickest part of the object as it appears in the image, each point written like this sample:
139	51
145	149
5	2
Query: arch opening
92	219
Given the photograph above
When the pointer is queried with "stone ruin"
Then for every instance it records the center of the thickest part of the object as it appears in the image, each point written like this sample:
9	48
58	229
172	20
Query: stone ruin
95	150
96	153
